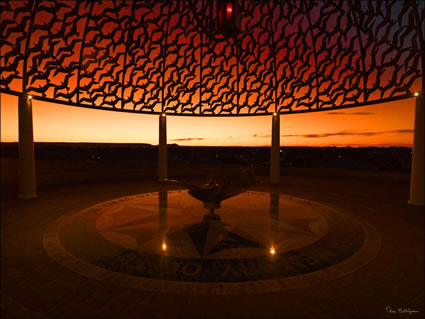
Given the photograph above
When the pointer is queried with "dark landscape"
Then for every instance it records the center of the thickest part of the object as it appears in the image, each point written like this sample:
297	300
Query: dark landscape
364	158
61	163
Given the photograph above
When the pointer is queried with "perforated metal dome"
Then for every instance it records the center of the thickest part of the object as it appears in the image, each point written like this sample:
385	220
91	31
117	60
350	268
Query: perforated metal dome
167	56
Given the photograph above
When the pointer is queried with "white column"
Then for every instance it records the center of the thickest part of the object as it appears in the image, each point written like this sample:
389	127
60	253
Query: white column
275	151
26	162
417	172
162	148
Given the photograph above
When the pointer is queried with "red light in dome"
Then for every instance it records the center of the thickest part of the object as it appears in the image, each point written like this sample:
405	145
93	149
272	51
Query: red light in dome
228	17
229	7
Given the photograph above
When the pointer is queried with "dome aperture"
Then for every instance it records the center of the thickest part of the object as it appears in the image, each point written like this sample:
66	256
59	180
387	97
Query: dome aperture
172	57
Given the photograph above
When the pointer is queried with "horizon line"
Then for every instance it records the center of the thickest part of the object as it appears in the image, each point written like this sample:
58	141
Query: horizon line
141	143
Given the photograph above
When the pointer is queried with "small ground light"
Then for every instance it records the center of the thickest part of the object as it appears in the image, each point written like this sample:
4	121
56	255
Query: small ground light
163	114
274	114
416	94
164	247
30	97
272	251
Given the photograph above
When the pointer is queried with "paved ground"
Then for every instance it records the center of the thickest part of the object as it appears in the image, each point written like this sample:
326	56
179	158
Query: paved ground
35	286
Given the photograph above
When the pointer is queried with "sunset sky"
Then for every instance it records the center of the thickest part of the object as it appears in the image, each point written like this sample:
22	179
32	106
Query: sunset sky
86	61
389	124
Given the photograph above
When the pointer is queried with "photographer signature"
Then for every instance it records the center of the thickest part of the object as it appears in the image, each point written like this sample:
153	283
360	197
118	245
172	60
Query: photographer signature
388	309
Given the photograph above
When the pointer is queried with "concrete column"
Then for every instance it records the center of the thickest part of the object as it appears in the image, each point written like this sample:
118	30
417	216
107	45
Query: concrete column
275	152
26	162
417	172
162	148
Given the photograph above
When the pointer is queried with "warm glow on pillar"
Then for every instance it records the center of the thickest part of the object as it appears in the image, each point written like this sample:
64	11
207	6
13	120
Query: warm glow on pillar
29	97
163	114
164	247
416	94
274	114
229	7
272	251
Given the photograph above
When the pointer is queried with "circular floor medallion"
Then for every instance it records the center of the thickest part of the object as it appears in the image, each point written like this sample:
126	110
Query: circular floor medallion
168	242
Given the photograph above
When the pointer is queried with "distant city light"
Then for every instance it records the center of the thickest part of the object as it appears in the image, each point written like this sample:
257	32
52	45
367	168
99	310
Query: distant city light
164	246
272	251
416	94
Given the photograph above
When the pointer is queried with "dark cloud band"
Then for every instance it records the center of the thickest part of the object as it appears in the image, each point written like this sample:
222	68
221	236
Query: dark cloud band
353	113
188	139
322	135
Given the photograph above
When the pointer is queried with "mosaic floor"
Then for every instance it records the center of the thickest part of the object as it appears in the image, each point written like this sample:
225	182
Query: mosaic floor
48	273
168	242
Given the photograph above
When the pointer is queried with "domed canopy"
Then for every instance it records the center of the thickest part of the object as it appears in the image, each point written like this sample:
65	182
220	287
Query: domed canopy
170	56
